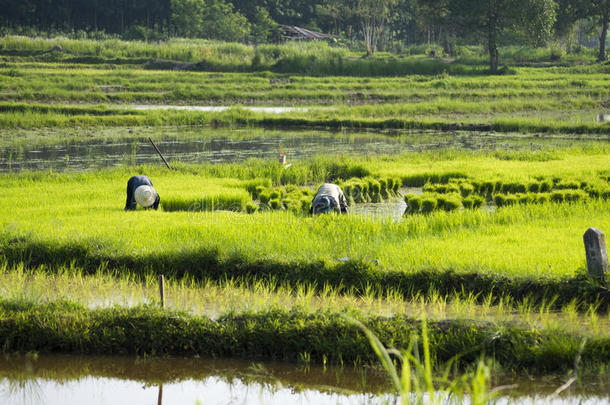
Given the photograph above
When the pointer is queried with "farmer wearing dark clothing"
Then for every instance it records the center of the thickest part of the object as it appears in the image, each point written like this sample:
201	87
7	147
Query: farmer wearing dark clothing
140	191
329	198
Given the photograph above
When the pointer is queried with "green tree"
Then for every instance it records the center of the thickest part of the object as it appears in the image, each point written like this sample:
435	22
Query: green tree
492	19
212	19
372	16
262	26
334	11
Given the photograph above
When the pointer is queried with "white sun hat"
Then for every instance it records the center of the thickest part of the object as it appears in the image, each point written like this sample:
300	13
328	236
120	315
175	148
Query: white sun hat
145	196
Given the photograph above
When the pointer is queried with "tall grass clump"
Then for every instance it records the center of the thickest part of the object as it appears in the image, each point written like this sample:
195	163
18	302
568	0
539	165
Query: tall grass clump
414	379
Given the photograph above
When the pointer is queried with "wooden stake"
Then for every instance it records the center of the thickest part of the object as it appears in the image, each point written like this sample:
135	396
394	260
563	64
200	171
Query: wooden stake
162	290
159	152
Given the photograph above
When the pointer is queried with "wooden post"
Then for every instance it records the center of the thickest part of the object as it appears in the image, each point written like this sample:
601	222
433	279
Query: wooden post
162	290
159	152
597	254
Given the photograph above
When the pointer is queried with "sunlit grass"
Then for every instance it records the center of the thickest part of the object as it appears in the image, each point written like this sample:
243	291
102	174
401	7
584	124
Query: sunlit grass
215	299
519	241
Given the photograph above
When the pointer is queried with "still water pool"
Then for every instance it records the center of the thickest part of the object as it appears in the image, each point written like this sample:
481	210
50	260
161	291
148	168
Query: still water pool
67	380
82	149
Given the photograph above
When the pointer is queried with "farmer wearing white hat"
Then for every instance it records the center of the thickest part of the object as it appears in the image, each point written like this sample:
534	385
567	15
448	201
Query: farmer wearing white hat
140	191
329	198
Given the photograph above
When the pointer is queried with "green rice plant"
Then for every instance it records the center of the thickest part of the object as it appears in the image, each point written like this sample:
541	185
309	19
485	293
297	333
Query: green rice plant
557	196
290	197
428	204
546	186
473	201
449	202
374	190
251	207
414	203
466	189
542	198
499	200
487	188
513	188
276	204
383	184
396	184
533	187
511	199
568	184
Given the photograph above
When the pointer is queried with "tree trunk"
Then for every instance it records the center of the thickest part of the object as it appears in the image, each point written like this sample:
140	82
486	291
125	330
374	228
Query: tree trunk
492	39
602	38
493	59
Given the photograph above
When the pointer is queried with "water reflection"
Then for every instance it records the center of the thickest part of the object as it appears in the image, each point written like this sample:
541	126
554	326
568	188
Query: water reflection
81	149
601	117
63	379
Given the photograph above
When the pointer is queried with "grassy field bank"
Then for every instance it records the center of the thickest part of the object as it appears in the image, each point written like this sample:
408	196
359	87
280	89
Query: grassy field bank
292	335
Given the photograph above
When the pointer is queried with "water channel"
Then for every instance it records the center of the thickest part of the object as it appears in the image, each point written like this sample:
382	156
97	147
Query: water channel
82	149
69	379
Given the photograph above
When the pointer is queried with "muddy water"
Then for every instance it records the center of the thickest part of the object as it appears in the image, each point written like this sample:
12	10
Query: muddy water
393	209
62	379
82	149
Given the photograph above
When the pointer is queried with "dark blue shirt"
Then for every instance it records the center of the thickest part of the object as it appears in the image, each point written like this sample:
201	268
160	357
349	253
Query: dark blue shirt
132	184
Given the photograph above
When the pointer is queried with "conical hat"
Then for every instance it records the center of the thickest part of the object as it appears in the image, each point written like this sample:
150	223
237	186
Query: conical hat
145	196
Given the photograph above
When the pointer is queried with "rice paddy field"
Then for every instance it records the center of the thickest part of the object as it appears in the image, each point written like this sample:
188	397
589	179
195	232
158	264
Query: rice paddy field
473	273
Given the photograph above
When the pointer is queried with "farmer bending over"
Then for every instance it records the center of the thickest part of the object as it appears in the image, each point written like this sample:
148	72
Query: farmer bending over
141	191
329	198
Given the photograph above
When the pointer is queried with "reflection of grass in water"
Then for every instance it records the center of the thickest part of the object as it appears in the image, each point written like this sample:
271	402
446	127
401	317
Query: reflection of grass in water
25	384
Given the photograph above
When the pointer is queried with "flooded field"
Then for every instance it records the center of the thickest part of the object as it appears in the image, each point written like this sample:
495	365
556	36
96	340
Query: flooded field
83	149
112	380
